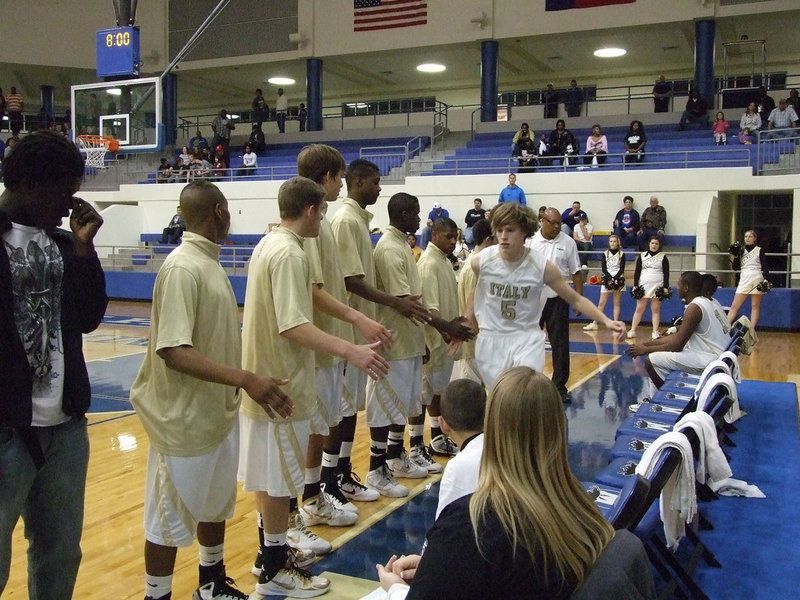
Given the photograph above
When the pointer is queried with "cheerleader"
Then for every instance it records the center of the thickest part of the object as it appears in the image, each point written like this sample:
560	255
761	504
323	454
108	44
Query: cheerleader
612	265
752	274
652	274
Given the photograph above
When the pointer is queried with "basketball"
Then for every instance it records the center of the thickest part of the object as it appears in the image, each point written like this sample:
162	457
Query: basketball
113	145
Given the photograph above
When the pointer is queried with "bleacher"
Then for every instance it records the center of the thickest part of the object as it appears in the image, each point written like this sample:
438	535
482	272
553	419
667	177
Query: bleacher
666	149
279	161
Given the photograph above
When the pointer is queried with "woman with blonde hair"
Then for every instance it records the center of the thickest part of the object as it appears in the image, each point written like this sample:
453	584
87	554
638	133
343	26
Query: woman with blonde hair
530	530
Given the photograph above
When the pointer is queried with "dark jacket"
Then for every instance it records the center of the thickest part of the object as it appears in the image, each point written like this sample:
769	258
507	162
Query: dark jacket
83	304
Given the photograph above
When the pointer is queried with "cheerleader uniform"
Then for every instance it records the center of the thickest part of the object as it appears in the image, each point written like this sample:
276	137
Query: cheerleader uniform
612	264
652	272
752	272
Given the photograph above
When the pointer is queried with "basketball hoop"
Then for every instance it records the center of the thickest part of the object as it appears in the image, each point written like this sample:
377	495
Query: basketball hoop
96	147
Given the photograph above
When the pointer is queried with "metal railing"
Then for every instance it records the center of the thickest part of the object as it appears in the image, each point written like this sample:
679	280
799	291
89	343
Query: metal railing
149	258
777	151
678	159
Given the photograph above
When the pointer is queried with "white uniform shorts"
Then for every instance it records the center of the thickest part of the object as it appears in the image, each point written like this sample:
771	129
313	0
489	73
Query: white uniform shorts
494	353
434	382
182	491
691	362
397	396
273	456
354	396
330	385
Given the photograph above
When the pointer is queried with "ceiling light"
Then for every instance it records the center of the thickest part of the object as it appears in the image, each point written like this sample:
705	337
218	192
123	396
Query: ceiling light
114	92
431	68
610	52
281	80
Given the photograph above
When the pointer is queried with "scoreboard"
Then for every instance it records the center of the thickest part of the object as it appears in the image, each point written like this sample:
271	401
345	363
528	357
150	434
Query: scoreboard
118	52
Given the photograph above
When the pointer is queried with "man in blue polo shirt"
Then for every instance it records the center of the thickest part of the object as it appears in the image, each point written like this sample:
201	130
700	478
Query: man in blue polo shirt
512	193
437	212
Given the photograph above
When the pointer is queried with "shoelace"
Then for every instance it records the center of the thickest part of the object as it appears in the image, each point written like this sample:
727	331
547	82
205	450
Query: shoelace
226	587
300	526
352	477
423	450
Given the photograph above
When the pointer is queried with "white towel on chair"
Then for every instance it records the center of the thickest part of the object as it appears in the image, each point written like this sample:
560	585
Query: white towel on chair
717	379
711	464
678	500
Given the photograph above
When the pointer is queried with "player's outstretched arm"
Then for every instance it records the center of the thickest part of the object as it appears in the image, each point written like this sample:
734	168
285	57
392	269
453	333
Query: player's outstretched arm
263	390
369	329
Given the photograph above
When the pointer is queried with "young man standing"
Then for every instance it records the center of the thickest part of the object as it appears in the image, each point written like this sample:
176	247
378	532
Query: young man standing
187	396
393	400
446	327
351	229
508	300
280	339
52	290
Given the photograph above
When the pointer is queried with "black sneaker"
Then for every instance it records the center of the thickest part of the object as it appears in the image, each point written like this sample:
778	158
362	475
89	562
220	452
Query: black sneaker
219	589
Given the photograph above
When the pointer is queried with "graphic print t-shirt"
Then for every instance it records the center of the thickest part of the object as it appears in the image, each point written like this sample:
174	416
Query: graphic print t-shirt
37	273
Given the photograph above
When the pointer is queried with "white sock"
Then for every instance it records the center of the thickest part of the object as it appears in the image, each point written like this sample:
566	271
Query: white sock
346	450
275	539
210	555
330	461
313	474
156	587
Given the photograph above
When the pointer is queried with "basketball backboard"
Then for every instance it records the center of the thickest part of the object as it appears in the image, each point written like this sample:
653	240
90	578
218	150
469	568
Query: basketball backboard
128	111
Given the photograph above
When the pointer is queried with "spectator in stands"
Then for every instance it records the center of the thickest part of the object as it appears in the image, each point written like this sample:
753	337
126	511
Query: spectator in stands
635	142
260	109
474	214
573	99
765	104
200	167
302	116
512	192
782	117
745	136
10	143
550	102
184	155
523	134
222	126
527	156
198	142
281	107
562	143
220	170
14	105
700	339
437	212
696	111
582	234
415	250
164	174
249	162
571	217
596	147
2	150
793	100
174	231
662	91
256	141
180	170
653	223
626	223
750	119
720	129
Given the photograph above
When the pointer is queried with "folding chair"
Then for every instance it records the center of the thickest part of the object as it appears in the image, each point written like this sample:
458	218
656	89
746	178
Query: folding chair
620	506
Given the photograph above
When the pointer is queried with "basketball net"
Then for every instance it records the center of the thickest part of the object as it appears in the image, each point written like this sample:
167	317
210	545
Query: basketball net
95	147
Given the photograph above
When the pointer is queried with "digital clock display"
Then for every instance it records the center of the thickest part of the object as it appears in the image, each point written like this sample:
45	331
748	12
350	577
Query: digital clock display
118	52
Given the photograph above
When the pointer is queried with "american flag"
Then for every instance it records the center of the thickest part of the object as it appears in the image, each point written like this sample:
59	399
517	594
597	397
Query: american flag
372	15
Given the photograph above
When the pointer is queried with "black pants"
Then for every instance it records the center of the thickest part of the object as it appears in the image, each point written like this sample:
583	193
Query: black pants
555	318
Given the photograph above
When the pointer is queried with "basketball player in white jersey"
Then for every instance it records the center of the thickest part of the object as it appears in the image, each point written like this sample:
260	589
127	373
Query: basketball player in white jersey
508	301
